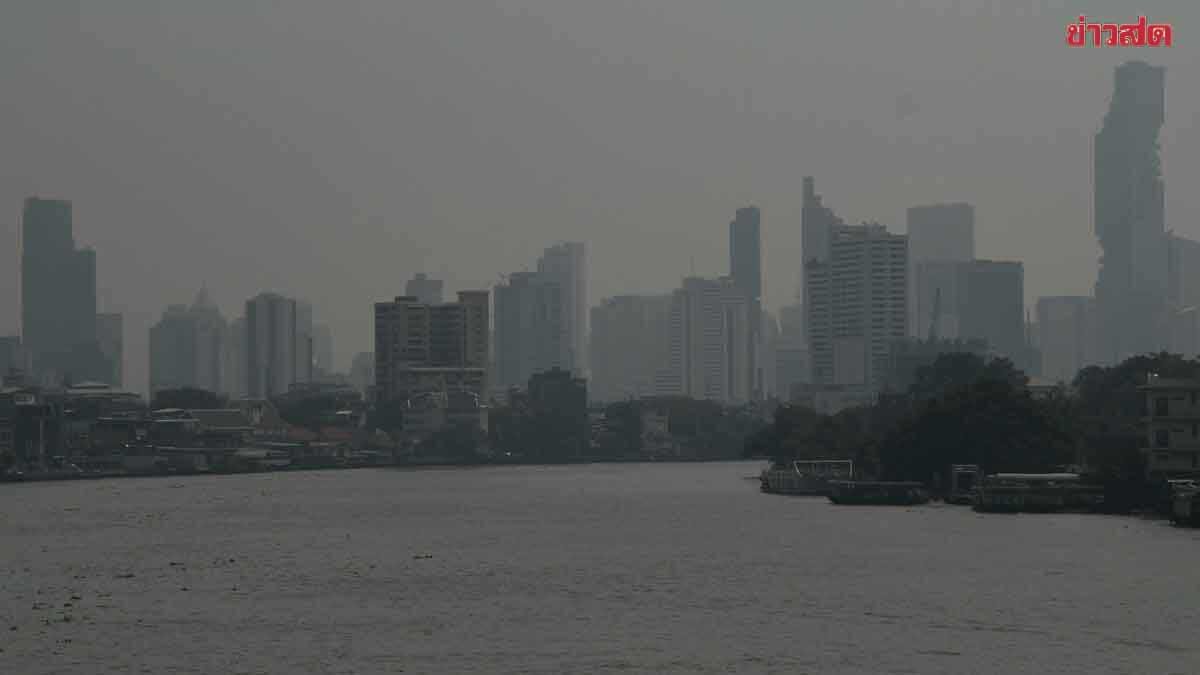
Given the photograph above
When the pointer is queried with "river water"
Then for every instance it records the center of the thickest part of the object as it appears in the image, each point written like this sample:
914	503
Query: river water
573	569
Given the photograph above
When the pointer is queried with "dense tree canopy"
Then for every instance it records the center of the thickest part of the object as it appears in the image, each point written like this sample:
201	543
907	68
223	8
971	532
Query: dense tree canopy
187	398
989	422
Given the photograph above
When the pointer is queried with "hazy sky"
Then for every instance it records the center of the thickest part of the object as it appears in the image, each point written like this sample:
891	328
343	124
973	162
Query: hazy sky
329	150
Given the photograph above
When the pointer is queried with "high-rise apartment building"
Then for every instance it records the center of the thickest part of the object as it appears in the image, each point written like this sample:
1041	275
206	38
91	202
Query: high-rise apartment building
708	342
857	305
189	348
58	295
565	264
628	343
1132	286
423	349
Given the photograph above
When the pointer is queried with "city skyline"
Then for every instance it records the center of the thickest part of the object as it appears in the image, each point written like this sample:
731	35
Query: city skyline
233	233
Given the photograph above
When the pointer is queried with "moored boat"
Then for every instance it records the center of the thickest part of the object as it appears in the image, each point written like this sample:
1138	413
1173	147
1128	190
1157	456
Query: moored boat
877	493
805	477
1037	493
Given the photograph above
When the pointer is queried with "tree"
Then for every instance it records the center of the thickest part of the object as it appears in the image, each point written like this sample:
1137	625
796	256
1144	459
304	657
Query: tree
188	398
954	370
460	441
990	422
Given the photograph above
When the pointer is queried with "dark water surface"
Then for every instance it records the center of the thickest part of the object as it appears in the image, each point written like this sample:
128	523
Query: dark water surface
604	568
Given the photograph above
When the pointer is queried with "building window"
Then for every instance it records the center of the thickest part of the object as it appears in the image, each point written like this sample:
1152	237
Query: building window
1160	406
1162	438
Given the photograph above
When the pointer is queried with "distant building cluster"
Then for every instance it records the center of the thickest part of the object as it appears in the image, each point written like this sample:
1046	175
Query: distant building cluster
875	305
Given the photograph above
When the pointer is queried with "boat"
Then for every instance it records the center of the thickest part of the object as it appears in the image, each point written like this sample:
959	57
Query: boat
805	477
1036	493
964	478
877	493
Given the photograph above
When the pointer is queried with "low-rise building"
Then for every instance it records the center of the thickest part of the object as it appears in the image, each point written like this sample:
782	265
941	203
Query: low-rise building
1172	426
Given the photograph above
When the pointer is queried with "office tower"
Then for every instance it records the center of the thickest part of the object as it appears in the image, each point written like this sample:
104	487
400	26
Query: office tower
211	343
12	355
173	351
817	225
58	295
791	352
937	233
305	346
708	340
530	328
110	336
857	306
422	349
1132	284
941	232
323	348
745	269
188	348
277	344
565	264
992	307
1066	335
940	299
235	377
362	371
1183	271
424	289
628	342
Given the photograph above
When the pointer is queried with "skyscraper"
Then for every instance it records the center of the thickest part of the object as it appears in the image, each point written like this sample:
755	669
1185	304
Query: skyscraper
277	344
1132	285
188	348
323	348
745	269
1066	335
628	342
937	234
817	225
941	232
531	336
857	306
565	264
110	336
58	295
992	307
708	342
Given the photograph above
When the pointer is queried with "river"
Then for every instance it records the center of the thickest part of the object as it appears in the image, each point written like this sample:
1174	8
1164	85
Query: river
653	568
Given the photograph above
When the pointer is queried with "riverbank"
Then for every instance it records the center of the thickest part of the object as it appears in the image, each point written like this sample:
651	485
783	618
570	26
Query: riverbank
430	463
